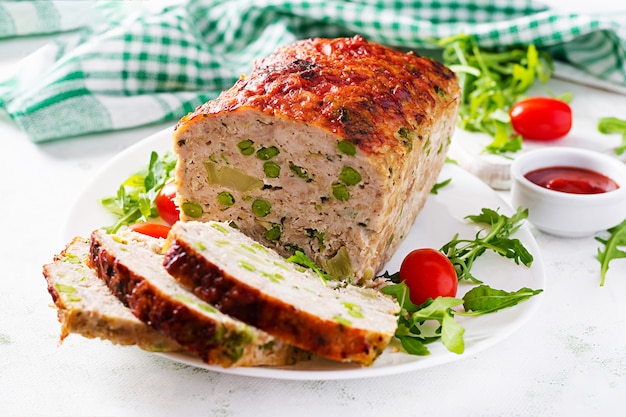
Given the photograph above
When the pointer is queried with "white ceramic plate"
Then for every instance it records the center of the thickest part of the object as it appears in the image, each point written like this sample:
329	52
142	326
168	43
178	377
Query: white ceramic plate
441	218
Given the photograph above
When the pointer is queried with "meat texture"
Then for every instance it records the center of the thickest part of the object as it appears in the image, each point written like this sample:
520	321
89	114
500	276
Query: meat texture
329	146
248	281
86	306
131	265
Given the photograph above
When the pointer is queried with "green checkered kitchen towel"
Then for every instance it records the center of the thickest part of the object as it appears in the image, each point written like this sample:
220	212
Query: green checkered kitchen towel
154	64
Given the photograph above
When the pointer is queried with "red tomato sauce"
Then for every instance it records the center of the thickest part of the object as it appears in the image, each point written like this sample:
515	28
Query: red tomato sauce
572	180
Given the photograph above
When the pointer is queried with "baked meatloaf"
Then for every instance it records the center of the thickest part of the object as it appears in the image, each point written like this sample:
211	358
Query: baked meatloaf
246	280
86	306
131	265
329	146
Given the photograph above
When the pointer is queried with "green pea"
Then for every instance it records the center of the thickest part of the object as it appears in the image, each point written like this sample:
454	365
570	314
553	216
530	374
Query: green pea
247	265
225	198
72	298
246	147
206	307
346	147
354	310
247	247
193	210
71	258
342	321
260	247
64	288
219	228
261	208
265	154
349	176
340	192
274	232
271	169
427	146
275	278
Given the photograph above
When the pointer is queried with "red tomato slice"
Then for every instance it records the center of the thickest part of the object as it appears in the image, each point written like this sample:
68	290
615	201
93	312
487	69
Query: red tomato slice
167	208
429	274
150	229
541	118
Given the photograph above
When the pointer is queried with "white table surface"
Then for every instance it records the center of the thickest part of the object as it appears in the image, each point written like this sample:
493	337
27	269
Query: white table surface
569	360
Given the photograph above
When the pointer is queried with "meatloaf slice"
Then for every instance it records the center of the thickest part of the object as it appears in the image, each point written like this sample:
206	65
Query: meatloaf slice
86	306
329	146
248	281
131	265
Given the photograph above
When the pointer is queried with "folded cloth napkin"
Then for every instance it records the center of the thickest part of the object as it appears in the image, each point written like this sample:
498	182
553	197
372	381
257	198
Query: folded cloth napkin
133	69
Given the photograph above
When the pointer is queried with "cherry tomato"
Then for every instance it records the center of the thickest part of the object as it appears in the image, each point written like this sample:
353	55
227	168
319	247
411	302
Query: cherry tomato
168	210
541	118
429	274
150	229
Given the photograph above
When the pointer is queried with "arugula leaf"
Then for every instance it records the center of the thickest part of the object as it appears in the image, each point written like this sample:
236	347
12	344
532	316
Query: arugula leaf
463	252
414	331
452	334
492	80
301	259
135	198
440	185
412	328
395	277
612	125
612	249
401	292
437	309
414	345
483	299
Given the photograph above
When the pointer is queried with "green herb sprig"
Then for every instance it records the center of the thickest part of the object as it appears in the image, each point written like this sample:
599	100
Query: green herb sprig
438	186
613	125
484	299
414	332
463	252
492	80
612	244
135	198
301	259
414	322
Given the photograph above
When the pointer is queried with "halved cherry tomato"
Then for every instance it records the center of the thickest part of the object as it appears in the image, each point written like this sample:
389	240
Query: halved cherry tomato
168	210
150	229
541	118
429	274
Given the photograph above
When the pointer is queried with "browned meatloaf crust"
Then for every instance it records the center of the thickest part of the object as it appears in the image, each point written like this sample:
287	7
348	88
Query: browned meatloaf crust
330	146
227	269
131	265
86	306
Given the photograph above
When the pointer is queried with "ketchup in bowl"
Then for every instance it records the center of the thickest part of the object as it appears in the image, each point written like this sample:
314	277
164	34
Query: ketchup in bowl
569	192
572	180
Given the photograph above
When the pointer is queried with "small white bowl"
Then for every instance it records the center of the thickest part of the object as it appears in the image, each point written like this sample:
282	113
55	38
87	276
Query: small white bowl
565	214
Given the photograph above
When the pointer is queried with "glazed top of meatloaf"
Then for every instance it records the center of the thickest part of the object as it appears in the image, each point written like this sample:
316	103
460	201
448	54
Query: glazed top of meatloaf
364	92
